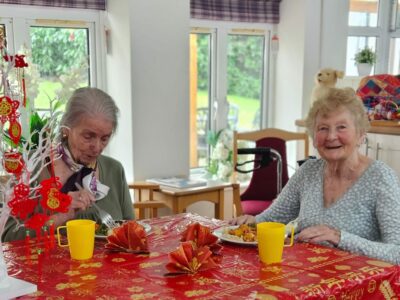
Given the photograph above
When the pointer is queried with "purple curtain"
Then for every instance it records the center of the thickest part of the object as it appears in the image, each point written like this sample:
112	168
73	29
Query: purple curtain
254	11
88	4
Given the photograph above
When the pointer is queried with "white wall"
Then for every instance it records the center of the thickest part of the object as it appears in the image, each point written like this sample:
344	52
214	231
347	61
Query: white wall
160	87
313	35
290	64
150	79
118	81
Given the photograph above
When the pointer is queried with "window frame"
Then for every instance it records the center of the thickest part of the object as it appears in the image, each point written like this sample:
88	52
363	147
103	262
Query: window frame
219	31
218	85
20	18
383	33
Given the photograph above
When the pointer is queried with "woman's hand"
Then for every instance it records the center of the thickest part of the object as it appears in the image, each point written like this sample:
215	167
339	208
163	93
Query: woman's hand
81	199
320	233
245	219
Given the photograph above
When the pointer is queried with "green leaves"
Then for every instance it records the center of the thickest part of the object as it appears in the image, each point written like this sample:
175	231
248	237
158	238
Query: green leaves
212	137
36	124
365	56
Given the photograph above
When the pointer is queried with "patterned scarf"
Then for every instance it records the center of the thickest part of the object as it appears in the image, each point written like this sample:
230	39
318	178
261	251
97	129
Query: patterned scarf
84	175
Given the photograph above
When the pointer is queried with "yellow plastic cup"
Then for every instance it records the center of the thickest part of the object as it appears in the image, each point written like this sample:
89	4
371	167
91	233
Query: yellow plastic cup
80	235
271	241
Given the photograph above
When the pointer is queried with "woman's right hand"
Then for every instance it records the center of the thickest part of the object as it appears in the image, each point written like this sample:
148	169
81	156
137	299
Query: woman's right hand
81	199
245	219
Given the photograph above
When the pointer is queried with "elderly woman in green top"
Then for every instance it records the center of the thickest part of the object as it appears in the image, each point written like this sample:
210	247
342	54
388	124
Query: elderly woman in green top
86	127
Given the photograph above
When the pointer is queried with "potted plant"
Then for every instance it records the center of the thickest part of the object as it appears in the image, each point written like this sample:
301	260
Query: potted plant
364	60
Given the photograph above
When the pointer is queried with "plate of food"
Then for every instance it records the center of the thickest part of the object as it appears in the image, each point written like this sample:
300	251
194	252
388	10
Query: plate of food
102	231
244	234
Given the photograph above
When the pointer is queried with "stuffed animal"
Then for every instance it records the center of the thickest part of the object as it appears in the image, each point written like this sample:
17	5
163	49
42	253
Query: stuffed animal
324	80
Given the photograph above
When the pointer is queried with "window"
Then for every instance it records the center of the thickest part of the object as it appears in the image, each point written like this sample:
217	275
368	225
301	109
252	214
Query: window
228	82
374	24
60	48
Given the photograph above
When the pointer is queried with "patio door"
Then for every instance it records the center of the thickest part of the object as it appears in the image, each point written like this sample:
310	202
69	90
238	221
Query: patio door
228	84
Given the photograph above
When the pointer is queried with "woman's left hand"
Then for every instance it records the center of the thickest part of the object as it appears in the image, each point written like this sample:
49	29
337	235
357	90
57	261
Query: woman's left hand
320	233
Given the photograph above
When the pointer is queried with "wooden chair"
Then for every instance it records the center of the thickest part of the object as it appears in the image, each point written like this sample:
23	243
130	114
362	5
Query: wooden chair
263	186
140	205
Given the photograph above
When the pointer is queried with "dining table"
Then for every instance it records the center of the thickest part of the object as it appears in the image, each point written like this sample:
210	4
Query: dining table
307	271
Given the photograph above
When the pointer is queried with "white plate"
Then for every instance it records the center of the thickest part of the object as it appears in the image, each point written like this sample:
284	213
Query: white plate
222	234
147	228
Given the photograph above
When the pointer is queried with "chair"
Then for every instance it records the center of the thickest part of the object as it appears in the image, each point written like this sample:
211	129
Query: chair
140	206
263	187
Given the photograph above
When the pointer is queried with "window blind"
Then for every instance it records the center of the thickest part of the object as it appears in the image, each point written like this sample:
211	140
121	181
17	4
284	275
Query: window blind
255	11
88	4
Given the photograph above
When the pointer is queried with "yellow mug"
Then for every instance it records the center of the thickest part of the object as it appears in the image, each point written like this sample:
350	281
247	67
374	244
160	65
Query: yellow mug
80	235
271	240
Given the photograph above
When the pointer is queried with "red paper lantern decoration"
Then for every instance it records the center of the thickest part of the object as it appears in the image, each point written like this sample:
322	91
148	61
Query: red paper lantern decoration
8	109
22	207
52	198
13	162
15	132
37	221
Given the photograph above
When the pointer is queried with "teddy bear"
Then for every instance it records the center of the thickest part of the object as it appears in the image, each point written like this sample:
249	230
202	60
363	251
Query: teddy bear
324	80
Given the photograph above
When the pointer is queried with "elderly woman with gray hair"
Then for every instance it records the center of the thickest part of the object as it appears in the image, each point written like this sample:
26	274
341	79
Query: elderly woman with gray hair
89	121
343	199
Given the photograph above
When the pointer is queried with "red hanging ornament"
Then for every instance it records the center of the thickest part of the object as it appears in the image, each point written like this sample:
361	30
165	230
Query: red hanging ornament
36	222
21	190
23	88
13	162
8	109
22	208
19	60
52	198
15	131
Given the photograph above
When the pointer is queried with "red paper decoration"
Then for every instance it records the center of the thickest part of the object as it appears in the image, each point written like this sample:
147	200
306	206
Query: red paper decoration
13	162
19	60
36	222
22	208
20	205
8	109
52	198
15	132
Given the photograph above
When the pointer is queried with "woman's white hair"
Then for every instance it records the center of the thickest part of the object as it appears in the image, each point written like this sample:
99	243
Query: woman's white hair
87	102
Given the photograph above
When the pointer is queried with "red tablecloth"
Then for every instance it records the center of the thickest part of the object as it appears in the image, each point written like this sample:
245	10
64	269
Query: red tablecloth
307	272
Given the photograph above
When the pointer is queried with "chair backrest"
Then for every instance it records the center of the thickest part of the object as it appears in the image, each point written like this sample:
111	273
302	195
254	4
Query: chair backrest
140	205
263	183
254	136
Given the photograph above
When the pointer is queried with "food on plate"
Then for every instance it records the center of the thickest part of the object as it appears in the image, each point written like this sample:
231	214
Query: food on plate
103	230
247	232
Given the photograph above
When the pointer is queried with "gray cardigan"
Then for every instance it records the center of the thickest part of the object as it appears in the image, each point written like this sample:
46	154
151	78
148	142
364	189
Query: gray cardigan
367	214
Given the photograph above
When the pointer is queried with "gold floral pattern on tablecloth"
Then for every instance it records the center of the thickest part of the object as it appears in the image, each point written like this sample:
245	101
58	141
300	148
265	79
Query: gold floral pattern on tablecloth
307	270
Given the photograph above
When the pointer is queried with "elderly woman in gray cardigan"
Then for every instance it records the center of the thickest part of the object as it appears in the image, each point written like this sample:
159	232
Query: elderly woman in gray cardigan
344	199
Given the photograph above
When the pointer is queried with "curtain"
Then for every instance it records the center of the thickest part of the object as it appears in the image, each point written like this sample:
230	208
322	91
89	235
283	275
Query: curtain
88	4
254	11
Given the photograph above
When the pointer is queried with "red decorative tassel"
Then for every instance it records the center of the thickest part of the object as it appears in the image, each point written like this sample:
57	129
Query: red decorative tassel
27	247
23	87
51	234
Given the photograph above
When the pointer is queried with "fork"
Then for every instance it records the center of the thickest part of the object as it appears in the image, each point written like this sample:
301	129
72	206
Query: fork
104	216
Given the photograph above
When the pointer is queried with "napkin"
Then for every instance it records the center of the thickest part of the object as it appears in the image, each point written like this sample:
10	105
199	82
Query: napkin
129	237
201	236
189	259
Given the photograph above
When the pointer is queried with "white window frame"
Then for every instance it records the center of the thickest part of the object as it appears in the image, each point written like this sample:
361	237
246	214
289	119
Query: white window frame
218	85
19	18
383	33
